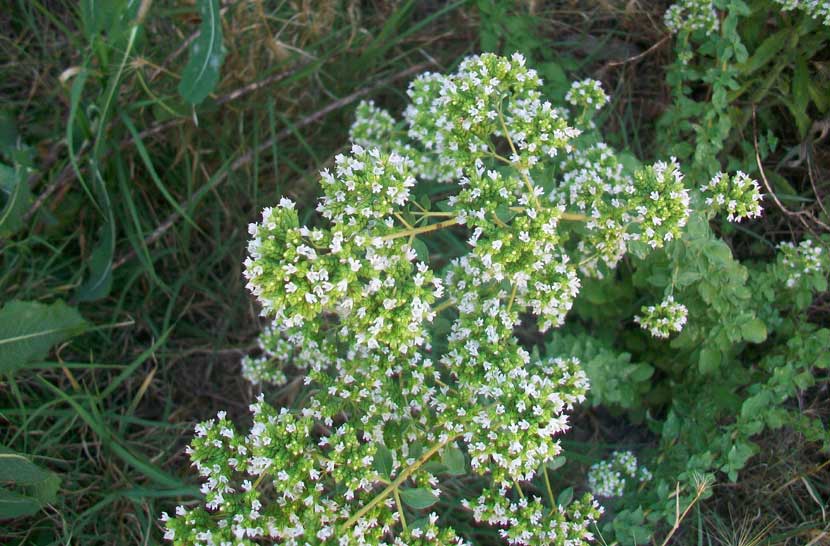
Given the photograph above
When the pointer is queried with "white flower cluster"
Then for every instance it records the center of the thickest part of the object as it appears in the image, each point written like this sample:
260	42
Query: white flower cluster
528	522
279	349
661	202
372	125
663	319
739	195
455	116
803	260
692	16
817	9
610	477
352	306
587	94
593	182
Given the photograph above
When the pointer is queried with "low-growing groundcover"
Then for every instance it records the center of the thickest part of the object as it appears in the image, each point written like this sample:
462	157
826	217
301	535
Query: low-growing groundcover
498	323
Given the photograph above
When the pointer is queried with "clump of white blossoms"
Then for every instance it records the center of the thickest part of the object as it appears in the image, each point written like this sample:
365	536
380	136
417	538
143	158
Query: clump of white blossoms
588	95
691	16
797	262
817	9
739	195
386	419
663	319
610	477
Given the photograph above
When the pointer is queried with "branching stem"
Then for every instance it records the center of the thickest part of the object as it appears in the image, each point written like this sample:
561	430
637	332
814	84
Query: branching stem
402	477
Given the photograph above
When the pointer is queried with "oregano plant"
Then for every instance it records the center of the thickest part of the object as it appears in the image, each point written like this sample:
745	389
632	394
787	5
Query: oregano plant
413	374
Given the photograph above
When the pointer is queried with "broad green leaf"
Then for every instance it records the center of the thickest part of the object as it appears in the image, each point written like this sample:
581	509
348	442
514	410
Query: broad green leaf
717	252
454	460
642	372
565	497
686	278
756	404
15	505
201	74
383	461
435	467
754	331
709	360
765	52
418	498
421	250
27	486
14	189
29	329
557	462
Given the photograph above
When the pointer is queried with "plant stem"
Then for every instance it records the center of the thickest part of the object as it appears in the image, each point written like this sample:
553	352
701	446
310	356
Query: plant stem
423	229
548	487
410	231
519	489
528	183
400	509
448	303
402	477
701	487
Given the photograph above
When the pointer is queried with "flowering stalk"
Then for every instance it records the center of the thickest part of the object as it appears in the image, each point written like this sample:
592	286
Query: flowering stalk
352	308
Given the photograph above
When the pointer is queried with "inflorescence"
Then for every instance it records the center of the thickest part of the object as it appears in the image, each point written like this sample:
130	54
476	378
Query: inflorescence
739	196
388	417
803	260
663	319
610	477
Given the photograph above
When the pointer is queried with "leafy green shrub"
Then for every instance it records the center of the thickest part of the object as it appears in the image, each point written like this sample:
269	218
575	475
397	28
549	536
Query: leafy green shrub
739	65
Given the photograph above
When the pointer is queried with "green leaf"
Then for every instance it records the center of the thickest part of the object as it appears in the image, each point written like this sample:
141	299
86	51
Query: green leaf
686	278
504	213
709	360
557	462
383	461
454	460
16	196
717	252
421	250
642	372
801	94
33	485
201	74
29	329
435	467
765	52
754	331
15	505
756	404
99	282
418	498
565	497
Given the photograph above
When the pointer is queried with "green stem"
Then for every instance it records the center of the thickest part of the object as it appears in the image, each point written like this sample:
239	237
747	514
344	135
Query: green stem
519	489
400	509
423	229
548	487
447	304
393	487
528	183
